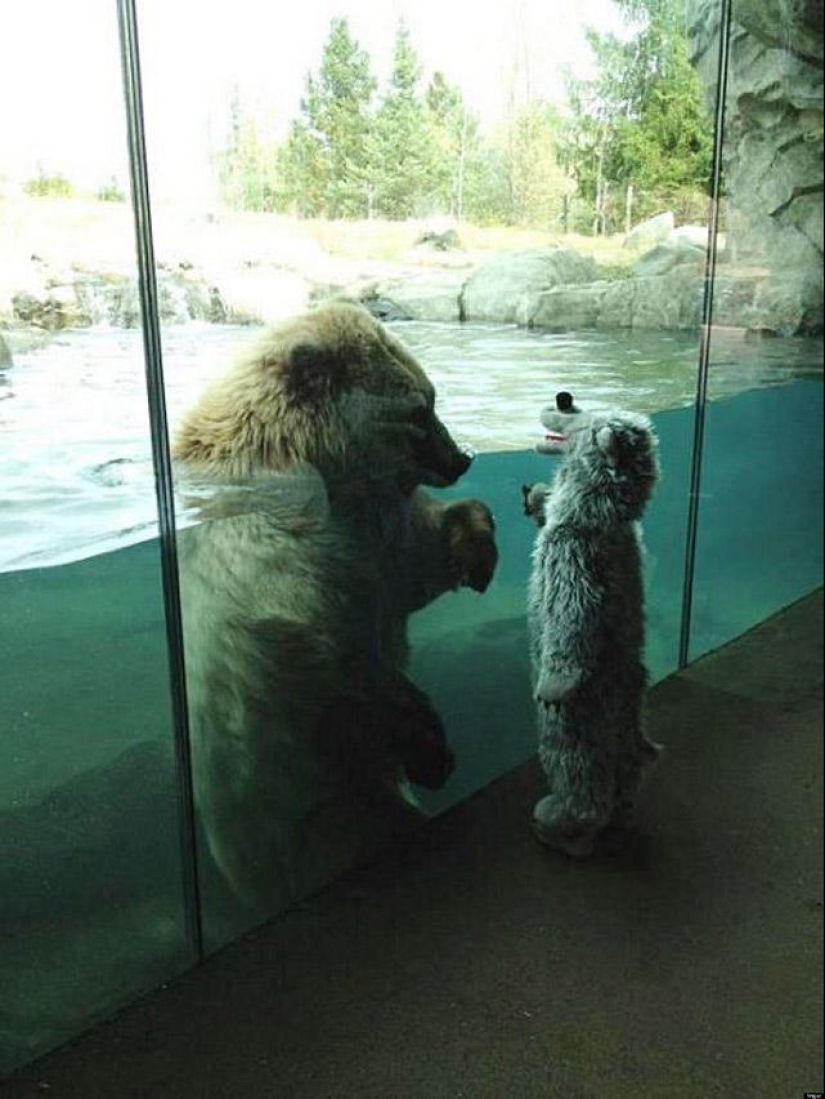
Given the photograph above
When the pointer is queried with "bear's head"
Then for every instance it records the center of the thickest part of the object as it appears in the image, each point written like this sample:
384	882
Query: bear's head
610	464
330	387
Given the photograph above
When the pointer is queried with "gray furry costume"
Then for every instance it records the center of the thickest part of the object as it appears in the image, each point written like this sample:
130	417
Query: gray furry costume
586	621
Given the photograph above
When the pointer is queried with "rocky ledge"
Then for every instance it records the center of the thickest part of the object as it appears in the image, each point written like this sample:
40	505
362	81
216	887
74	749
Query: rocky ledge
555	288
559	290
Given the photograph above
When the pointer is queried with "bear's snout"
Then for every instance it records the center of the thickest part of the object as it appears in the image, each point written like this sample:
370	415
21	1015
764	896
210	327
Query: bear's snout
440	459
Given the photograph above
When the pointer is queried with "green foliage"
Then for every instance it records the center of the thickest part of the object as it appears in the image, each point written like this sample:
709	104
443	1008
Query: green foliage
111	191
326	163
642	121
404	163
49	186
538	184
638	131
248	168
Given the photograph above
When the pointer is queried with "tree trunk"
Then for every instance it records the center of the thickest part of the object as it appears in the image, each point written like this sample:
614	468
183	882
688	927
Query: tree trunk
628	209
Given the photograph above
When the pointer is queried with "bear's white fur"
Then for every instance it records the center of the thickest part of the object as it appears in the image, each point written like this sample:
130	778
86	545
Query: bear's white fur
586	623
314	546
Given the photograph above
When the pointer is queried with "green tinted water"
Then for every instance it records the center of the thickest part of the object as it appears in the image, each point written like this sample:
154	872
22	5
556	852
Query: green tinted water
90	878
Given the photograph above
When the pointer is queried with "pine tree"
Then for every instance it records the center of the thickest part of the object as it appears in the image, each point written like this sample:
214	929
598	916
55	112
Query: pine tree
326	160
403	140
456	145
247	167
642	122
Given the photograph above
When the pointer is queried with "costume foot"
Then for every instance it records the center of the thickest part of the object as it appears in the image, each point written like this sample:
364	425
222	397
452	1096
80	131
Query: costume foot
576	840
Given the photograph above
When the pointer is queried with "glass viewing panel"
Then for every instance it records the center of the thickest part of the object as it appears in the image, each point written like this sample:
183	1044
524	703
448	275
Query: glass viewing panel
91	904
470	215
520	229
759	539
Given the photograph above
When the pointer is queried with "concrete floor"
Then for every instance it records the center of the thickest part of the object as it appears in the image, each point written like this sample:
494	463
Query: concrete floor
475	963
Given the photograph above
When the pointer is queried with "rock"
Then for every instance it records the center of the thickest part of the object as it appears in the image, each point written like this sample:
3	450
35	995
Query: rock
440	241
5	353
617	305
566	308
217	311
773	149
37	309
385	309
667	255
494	291
433	296
694	234
651	231
667	301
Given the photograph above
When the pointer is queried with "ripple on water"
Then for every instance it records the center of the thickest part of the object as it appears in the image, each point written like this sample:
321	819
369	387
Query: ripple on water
75	458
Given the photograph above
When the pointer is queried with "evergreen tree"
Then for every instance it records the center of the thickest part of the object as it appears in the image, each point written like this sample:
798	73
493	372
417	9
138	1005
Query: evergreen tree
326	160
247	167
642	122
537	183
403	146
455	145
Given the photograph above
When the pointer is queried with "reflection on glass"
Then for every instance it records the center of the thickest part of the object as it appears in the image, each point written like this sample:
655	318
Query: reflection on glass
762	482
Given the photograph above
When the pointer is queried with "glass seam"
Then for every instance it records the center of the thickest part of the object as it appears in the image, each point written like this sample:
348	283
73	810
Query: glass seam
164	490
703	366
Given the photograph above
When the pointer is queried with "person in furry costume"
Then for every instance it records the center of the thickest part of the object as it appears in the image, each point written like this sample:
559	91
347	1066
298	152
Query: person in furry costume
586	621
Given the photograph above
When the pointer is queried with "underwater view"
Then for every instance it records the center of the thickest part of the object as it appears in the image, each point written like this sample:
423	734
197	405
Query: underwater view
81	483
89	800
206	717
88	791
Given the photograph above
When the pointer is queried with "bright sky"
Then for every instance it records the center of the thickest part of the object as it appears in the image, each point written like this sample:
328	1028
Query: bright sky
61	103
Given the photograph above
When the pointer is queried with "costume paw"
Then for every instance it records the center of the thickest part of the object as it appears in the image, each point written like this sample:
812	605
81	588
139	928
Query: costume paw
469	531
576	840
533	497
556	686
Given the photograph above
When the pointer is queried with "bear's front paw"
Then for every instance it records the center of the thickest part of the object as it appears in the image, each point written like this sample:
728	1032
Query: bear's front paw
469	530
418	737
556	686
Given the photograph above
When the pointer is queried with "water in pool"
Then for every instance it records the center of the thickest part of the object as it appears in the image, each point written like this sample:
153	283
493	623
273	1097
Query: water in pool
91	869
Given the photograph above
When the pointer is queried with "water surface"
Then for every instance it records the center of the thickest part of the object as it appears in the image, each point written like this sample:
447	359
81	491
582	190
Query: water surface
75	457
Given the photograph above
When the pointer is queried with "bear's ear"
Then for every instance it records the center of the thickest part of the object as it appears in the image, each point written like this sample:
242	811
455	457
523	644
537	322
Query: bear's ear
314	374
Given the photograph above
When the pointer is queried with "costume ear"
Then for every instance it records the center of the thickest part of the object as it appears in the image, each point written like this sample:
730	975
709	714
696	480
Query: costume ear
314	374
605	439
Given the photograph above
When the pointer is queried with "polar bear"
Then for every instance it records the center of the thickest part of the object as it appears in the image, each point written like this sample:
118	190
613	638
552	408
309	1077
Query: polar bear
586	621
314	544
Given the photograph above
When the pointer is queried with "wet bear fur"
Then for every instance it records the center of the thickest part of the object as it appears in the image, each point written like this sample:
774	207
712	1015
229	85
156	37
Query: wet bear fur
313	544
586	623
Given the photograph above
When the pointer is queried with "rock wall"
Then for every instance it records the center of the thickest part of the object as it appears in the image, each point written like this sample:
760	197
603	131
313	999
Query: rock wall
773	137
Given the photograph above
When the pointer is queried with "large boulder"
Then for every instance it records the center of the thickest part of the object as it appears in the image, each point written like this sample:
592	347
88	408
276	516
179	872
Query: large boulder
668	254
433	296
650	232
664	301
672	301
566	308
494	291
